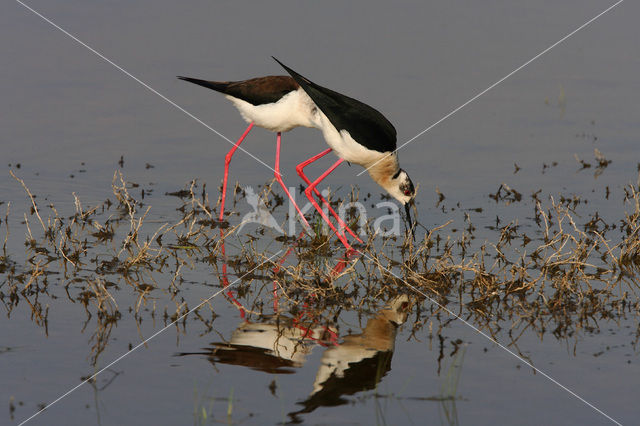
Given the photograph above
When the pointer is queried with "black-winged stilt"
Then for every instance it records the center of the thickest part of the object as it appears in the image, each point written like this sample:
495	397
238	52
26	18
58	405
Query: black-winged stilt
276	103
356	132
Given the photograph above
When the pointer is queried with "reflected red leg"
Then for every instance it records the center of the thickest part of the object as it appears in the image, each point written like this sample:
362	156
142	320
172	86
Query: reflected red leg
225	279
276	269
308	331
227	161
343	262
300	169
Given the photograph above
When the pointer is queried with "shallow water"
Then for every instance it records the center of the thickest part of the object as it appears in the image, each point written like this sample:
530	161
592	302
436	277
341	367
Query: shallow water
68	117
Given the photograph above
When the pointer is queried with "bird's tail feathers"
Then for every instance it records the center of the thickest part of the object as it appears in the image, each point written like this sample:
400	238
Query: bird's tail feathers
218	86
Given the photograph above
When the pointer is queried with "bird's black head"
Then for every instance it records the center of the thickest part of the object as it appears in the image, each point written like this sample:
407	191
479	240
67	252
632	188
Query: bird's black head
402	189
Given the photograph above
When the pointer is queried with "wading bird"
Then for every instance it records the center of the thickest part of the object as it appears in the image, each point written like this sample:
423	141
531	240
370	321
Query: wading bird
356	132
276	103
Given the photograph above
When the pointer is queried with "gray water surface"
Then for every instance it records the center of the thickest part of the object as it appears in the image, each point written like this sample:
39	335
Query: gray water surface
67	118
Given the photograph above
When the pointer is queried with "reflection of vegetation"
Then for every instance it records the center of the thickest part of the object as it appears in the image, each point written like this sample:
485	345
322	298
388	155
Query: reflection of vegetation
202	408
562	271
449	388
105	380
203	412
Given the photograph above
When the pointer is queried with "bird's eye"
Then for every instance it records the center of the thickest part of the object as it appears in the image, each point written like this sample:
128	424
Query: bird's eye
407	192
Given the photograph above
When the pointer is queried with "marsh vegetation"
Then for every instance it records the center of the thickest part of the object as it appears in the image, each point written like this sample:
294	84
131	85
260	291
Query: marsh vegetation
562	270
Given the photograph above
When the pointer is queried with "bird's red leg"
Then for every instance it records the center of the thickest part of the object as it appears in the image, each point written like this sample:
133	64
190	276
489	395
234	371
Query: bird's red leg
308	193
300	169
278	177
227	160
343	262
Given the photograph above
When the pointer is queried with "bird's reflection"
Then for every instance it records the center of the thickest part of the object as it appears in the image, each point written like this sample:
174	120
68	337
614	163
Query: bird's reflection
359	362
278	344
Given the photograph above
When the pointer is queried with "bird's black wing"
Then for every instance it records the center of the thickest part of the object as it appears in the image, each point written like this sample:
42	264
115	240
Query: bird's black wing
365	124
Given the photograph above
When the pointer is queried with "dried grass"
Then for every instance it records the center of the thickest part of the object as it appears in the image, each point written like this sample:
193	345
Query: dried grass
564	275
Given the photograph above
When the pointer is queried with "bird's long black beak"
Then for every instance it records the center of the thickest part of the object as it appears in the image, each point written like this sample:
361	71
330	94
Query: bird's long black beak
410	221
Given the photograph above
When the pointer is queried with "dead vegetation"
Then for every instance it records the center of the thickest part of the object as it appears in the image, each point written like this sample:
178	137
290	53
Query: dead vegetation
566	274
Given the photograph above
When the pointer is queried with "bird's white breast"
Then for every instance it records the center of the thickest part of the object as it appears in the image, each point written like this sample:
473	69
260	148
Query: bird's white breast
345	146
295	109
